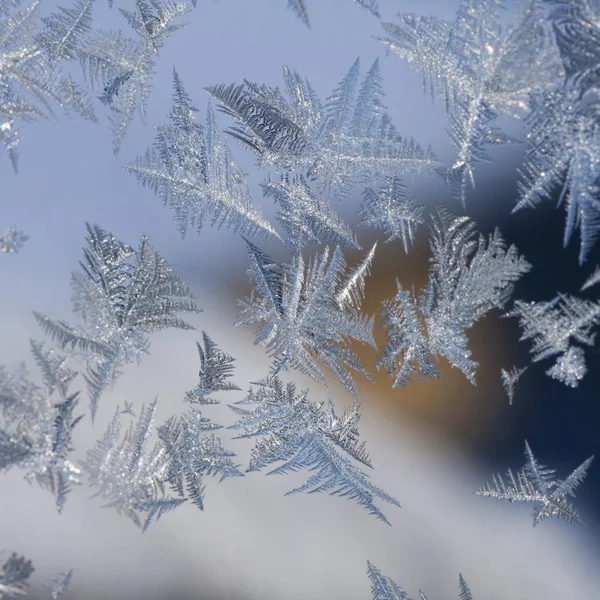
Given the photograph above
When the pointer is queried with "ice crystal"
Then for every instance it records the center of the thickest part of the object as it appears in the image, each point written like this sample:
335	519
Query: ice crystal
120	69
130	479
122	296
192	171
592	280
27	82
14	574
299	7
64	30
306	436
553	327
564	153
510	379
536	484
308	312
76	98
479	71
577	31
390	211
351	139
306	217
35	429
152	20
193	454
468	277
216	367
12	240
59	586
384	588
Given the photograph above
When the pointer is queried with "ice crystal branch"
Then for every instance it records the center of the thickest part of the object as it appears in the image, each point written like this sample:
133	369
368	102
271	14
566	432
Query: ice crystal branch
152	20
479	71
577	30
35	429
307	218
120	69
216	368
348	140
553	327
12	240
130	479
14	574
392	212
510	379
193	172
308	312
563	153
468	277
193	454
304	435
59	586
299	7
536	484
384	588
122	296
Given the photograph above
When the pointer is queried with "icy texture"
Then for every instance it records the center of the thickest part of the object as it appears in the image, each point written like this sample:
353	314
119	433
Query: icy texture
510	379
536	484
468	277
564	153
122	296
130	479
384	588
390	211
36	425
216	368
14	574
12	240
349	140
309	311
192	171
479	71
306	436
553	327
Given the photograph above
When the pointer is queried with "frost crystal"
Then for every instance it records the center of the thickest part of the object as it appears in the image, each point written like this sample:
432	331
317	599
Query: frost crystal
152	20
216	367
309	311
14	574
122	296
120	69
384	588
577	31
60	585
299	7
128	478
305	216
391	212
193	454
467	278
479	71
553	327
564	153
350	140
306	436
192	171
35	429
536	484
510	379
12	240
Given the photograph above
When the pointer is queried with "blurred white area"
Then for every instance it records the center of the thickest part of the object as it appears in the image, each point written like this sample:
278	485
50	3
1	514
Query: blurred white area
251	542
